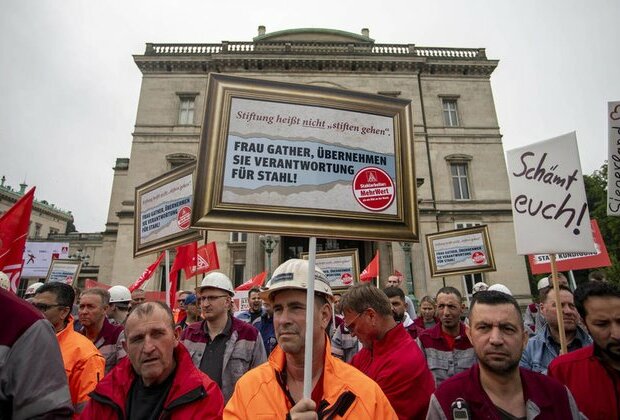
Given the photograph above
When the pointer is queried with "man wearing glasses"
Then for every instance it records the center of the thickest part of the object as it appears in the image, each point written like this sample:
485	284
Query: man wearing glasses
390	356
222	346
84	365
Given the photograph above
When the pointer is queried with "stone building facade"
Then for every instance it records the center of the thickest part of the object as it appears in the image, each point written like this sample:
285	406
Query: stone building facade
459	157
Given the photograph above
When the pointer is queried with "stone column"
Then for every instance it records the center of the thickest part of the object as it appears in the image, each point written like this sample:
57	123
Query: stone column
254	256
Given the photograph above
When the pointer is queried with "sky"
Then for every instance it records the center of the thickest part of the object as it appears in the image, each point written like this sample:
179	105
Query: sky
69	86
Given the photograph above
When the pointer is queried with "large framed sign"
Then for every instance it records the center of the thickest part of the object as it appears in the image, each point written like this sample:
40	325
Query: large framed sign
64	271
305	161
163	211
341	267
460	251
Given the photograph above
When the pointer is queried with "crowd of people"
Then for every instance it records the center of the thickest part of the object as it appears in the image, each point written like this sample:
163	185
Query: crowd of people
103	354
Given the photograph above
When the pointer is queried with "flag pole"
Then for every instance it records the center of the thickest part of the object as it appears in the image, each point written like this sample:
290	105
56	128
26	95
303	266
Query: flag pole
558	304
167	277
307	393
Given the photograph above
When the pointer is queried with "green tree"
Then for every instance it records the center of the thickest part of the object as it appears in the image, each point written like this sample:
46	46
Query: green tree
596	192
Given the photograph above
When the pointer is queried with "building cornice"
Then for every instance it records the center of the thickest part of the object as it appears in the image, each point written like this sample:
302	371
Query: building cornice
303	56
42	207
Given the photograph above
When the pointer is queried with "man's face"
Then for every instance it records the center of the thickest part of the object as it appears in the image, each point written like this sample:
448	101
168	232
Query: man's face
150	345
449	309
255	301
137	297
181	299
91	310
398	308
193	310
47	303
427	311
289	320
392	282
214	303
569	312
603	322
361	325
497	335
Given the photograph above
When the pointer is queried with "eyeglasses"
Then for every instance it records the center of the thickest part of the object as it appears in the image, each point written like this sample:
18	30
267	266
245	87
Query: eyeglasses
350	325
212	299
44	307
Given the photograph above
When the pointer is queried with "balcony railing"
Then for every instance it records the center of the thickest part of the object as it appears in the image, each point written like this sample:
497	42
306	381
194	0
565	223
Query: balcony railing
323	48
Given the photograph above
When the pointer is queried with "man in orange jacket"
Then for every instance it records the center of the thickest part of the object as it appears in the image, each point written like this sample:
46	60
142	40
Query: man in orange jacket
274	389
84	364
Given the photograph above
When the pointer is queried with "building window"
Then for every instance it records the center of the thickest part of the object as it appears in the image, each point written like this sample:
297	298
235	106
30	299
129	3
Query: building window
238	274
37	230
450	114
238	237
186	109
460	181
53	231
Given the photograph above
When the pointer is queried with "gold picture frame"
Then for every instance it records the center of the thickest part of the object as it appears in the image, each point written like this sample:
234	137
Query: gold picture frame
460	251
342	267
304	160
64	270
161	218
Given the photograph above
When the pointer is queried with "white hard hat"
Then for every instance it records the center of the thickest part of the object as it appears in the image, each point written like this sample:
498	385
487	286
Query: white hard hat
293	274
32	289
217	280
542	283
5	283
480	286
500	288
119	294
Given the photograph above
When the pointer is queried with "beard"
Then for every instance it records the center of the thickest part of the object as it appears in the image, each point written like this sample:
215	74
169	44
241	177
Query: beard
500	367
611	350
398	317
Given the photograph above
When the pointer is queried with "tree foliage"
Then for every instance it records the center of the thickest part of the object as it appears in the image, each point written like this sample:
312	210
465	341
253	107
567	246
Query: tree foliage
596	192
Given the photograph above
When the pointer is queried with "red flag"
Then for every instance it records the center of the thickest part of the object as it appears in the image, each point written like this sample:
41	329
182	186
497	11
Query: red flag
184	260
256	281
148	273
399	274
13	234
372	270
206	258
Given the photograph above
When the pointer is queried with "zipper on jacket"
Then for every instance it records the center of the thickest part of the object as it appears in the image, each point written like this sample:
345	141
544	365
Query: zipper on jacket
107	401
195	394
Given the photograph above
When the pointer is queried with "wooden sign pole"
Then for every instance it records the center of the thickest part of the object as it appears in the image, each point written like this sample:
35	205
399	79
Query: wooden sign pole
558	304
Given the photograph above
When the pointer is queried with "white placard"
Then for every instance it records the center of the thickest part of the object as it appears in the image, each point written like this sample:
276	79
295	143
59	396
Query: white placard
38	257
613	163
548	198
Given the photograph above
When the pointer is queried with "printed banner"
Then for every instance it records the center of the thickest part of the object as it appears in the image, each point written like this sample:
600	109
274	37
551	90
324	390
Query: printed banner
613	163
549	205
166	210
39	255
460	251
540	263
341	267
304	156
64	271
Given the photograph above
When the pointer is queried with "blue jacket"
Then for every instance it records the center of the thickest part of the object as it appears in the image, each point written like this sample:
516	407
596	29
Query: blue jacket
542	349
264	325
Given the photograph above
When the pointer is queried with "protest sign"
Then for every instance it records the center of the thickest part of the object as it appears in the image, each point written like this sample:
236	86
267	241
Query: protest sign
64	271
340	267
540	263
548	199
460	251
39	255
613	162
304	160
163	211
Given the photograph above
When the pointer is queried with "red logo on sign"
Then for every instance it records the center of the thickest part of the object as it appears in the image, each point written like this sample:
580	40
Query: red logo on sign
478	257
346	278
184	218
373	188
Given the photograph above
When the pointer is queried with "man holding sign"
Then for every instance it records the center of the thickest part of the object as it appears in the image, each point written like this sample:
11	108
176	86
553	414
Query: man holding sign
274	389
